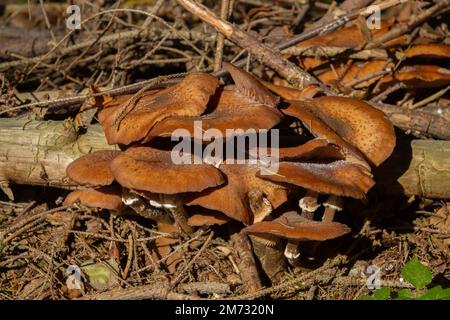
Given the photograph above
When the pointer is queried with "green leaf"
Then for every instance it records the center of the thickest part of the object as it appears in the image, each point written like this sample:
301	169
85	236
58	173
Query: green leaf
99	276
404	294
417	274
382	293
436	293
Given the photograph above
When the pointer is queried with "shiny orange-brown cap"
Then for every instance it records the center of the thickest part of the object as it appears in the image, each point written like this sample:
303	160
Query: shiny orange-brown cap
230	110
341	178
93	169
150	169
108	197
292	226
189	97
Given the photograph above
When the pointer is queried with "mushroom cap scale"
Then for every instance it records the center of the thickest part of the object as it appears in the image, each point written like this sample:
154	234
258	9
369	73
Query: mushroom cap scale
149	169
340	178
93	169
292	226
189	97
108	197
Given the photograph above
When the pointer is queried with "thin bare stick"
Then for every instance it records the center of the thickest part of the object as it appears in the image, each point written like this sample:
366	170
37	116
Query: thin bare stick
264	54
224	9
298	280
178	278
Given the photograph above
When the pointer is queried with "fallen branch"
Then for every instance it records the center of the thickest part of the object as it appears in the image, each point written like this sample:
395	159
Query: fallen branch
37	153
247	264
417	121
294	282
156	291
133	88
266	55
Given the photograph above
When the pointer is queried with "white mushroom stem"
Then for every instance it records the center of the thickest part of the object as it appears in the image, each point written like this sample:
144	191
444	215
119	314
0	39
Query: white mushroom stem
309	204
143	208
164	203
292	250
332	204
174	205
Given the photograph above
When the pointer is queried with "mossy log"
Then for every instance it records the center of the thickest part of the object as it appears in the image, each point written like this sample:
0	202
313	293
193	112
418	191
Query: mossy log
38	152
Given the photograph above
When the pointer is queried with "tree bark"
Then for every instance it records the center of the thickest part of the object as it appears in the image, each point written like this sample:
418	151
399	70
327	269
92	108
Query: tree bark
38	152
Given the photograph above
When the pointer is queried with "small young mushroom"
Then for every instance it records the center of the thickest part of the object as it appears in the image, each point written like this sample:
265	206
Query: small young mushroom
108	197
332	205
152	170
132	122
242	185
295	228
93	169
309	204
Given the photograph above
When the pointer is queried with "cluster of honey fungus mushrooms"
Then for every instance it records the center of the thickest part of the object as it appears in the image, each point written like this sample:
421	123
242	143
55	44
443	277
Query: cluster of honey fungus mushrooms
330	153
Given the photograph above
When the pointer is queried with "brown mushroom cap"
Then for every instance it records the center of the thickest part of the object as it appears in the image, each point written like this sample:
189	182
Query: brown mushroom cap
232	110
93	169
315	149
108	197
149	169
301	111
232	198
340	178
251	87
360	124
205	217
349	123
292	226
189	97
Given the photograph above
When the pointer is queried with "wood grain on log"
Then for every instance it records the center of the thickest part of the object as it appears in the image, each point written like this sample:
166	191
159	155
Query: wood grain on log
37	153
